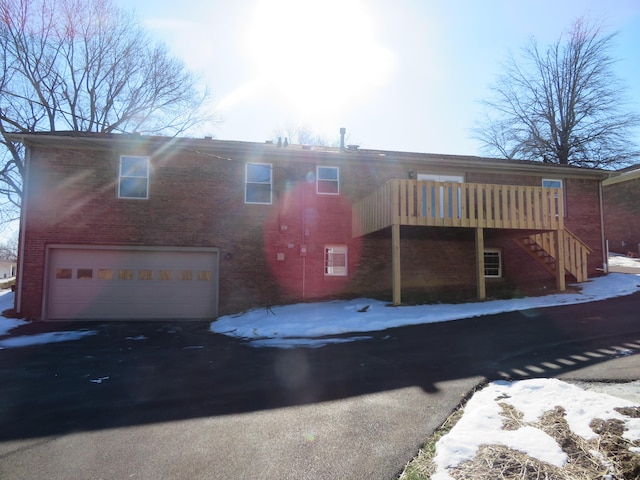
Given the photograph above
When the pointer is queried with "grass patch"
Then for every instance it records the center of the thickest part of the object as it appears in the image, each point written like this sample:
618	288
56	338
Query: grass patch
607	457
422	466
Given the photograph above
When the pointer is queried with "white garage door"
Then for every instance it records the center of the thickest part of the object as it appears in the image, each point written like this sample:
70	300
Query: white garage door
131	283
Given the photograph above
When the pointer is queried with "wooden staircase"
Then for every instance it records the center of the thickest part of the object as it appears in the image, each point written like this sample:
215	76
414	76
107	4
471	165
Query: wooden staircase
542	248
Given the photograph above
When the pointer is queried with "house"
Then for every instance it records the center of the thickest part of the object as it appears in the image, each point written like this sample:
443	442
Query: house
621	193
7	269
133	227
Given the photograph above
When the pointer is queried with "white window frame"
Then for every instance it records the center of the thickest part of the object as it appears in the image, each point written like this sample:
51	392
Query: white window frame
330	270
499	252
554	184
122	177
555	181
247	183
442	178
327	180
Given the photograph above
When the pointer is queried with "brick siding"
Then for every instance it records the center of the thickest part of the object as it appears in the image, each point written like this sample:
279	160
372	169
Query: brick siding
622	216
197	200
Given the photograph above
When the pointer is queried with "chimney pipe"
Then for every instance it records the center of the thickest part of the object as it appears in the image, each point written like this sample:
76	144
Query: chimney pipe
342	132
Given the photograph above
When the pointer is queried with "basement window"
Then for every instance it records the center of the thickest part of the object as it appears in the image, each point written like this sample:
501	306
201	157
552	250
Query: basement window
258	180
335	260
328	180
134	177
492	263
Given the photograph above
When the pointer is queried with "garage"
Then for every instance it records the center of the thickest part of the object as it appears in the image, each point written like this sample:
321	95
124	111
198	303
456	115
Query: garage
130	283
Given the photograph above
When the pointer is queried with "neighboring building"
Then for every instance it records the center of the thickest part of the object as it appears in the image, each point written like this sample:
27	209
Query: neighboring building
7	269
132	227
621	195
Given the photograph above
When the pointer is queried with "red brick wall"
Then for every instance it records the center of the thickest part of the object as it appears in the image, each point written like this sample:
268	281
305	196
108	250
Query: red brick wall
622	216
198	200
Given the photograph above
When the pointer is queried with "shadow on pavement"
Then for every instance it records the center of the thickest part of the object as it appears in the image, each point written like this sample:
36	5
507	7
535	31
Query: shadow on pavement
138	373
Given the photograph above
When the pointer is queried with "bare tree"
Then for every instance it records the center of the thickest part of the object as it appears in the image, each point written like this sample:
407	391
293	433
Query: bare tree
562	104
9	249
298	134
305	135
85	66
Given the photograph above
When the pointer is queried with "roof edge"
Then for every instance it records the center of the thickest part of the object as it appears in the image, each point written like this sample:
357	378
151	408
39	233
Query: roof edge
92	140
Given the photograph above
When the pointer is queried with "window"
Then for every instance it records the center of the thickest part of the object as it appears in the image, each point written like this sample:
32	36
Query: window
554	183
105	274
165	275
492	262
63	273
446	196
258	183
134	177
185	275
204	276
84	274
328	180
125	274
145	274
335	260
551	183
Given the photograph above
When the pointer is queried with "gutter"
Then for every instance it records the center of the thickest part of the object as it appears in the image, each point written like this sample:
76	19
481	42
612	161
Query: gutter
622	177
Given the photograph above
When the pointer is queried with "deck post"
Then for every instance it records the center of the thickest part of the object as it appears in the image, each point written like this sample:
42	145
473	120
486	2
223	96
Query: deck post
480	280
560	281
395	263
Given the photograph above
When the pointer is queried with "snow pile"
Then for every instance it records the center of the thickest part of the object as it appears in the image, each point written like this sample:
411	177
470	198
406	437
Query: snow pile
482	422
303	324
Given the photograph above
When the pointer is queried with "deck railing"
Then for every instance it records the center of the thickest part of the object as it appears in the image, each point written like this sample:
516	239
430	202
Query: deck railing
449	204
575	252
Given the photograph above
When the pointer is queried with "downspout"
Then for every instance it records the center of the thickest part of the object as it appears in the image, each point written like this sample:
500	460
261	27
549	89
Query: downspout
303	245
21	233
605	259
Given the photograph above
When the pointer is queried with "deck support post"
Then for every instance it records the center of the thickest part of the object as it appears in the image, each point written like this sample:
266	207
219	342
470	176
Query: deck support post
480	280
560	281
395	263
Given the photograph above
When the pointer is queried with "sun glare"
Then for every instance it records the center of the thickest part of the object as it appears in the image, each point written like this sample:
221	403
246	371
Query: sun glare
321	55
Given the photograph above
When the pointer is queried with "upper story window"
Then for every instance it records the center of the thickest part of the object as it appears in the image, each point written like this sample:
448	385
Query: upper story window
258	179
328	180
446	195
133	177
555	183
551	183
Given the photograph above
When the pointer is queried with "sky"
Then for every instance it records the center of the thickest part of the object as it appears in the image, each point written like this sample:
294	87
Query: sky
405	75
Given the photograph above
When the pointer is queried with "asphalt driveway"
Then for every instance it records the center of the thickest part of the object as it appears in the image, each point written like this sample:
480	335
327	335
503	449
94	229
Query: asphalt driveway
172	400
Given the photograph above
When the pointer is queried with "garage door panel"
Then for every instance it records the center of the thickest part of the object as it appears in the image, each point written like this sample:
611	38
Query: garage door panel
88	283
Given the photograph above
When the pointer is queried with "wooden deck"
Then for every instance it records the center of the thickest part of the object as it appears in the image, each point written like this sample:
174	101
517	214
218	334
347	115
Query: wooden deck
537	211
437	204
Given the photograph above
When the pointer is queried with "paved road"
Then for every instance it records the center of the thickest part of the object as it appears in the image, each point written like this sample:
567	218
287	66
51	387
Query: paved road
171	400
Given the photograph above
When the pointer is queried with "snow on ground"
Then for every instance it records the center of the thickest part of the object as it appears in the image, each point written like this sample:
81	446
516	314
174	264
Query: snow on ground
482	423
6	302
302	324
7	324
42	338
